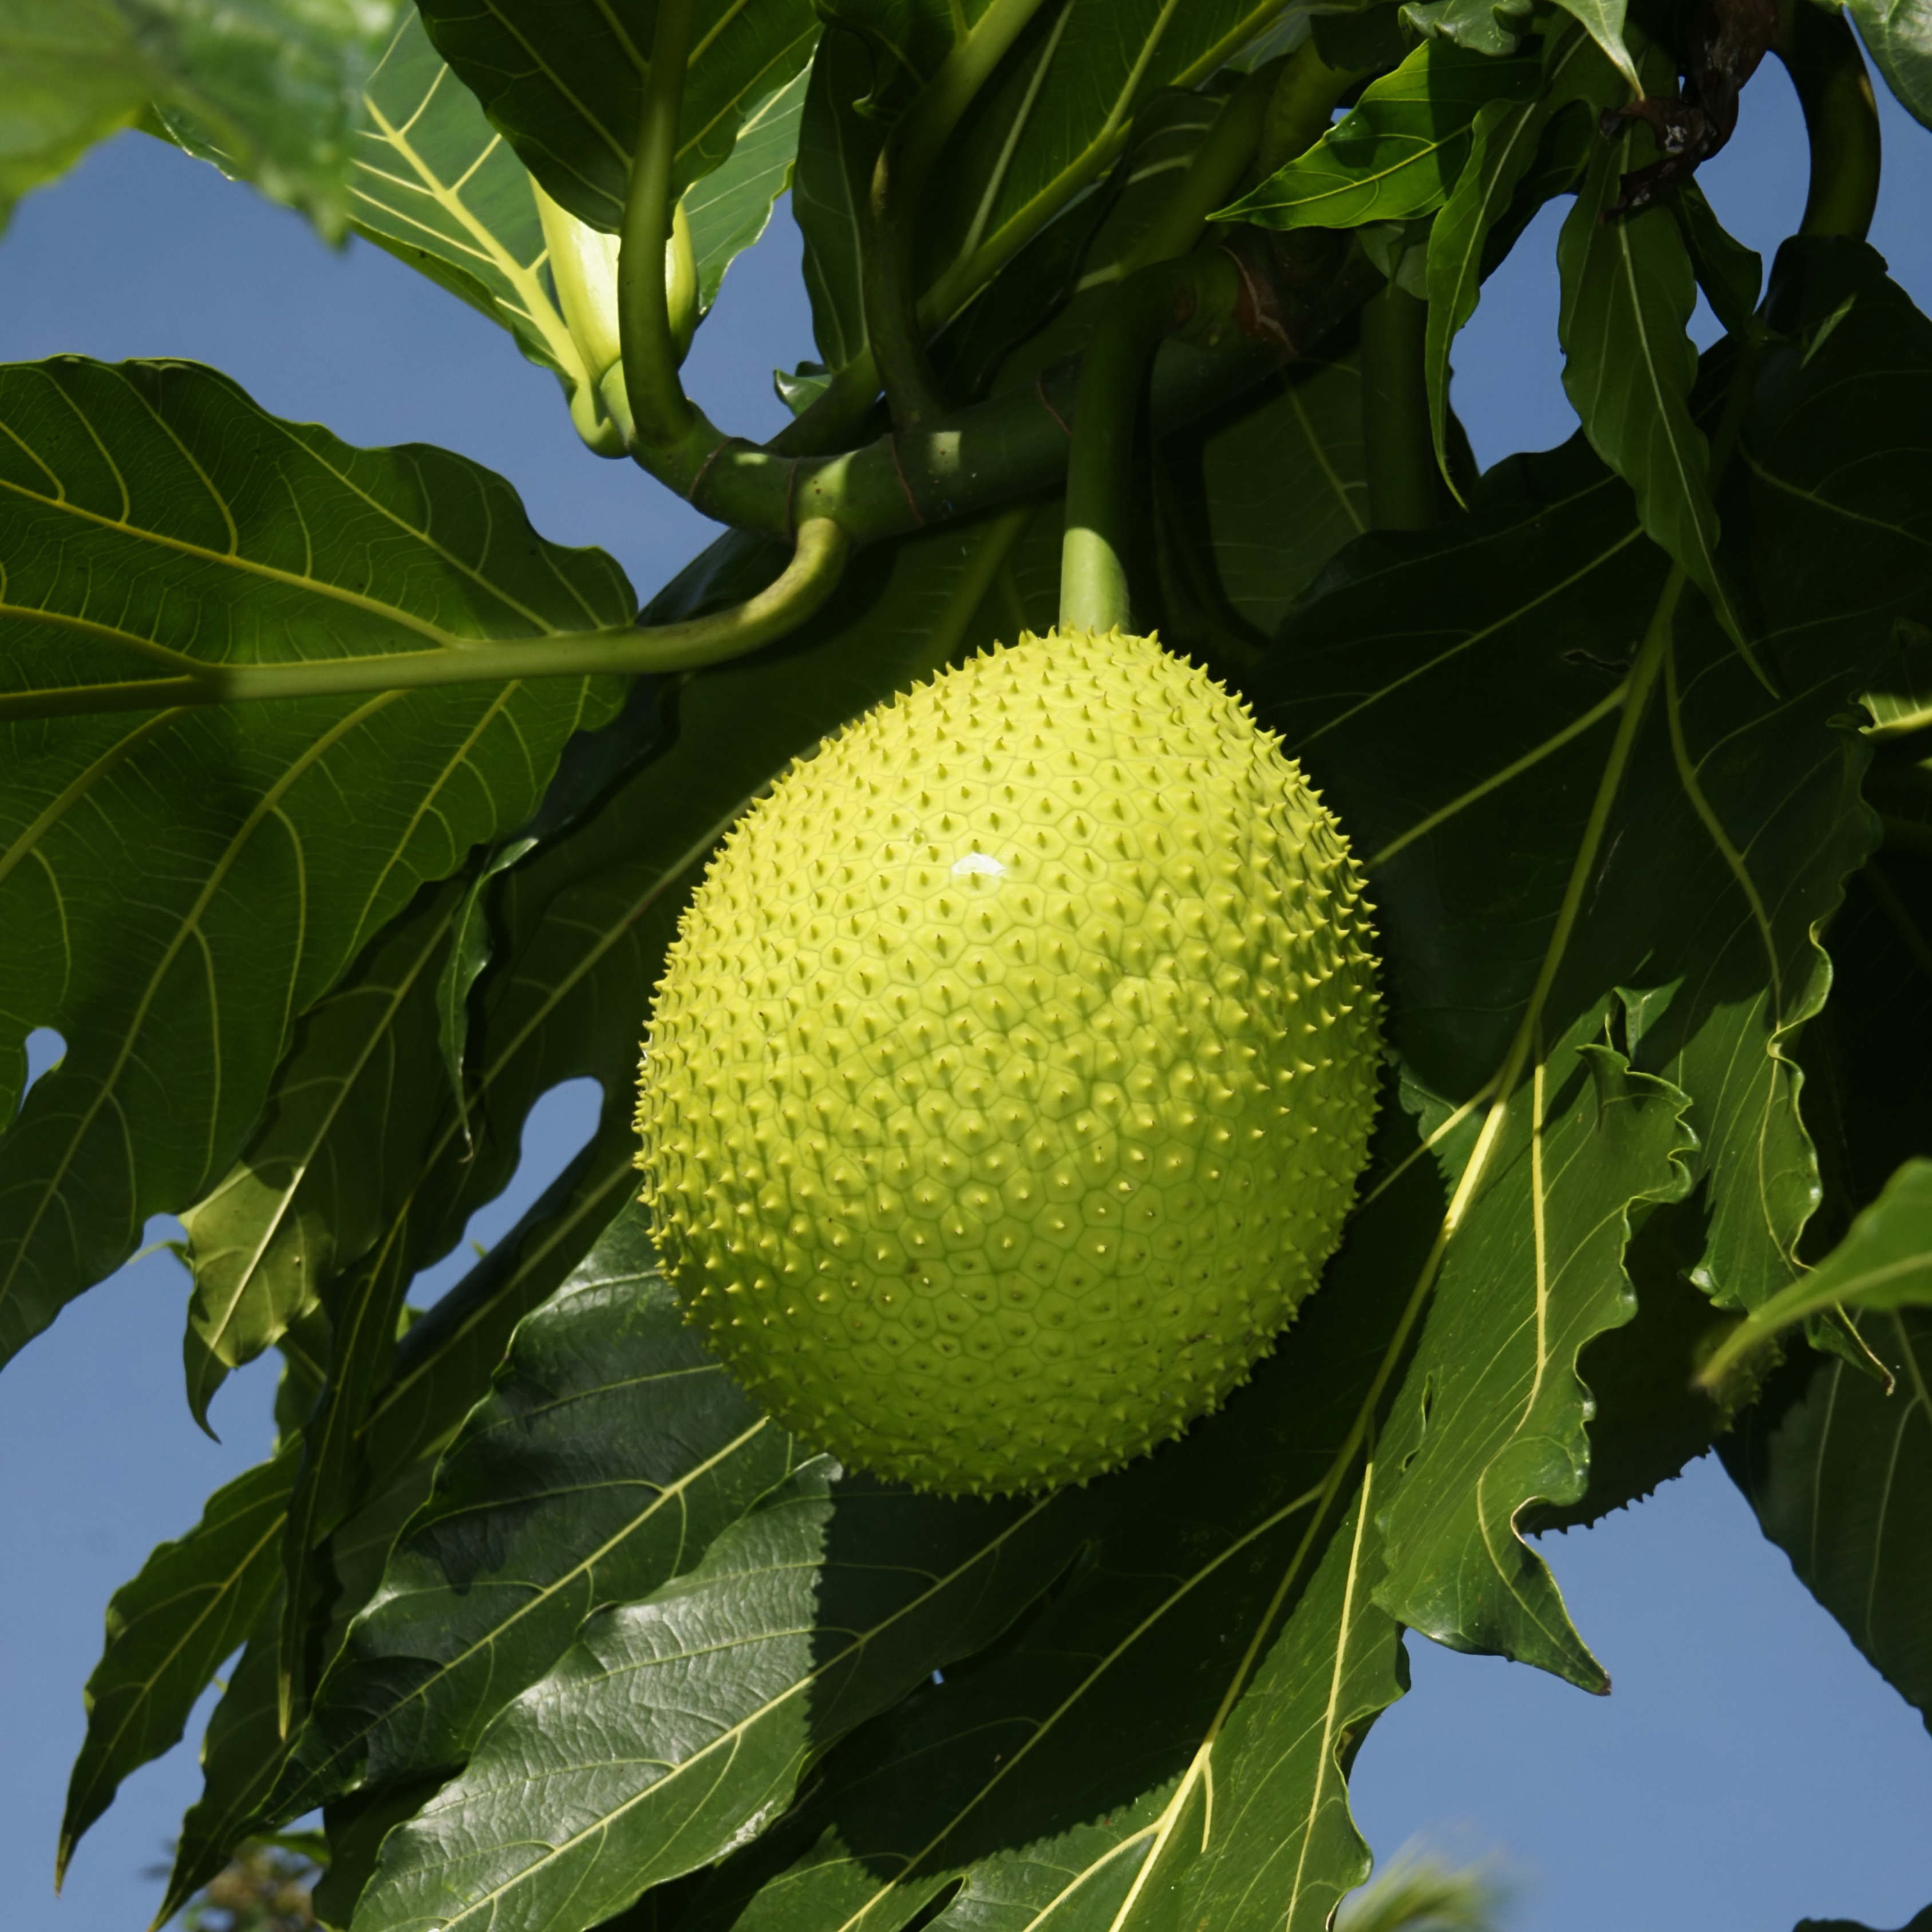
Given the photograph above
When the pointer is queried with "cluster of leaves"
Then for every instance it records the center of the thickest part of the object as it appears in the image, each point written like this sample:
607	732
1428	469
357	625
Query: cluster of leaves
554	1628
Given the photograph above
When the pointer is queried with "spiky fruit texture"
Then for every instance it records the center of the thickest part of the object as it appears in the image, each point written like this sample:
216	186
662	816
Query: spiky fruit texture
1012	1068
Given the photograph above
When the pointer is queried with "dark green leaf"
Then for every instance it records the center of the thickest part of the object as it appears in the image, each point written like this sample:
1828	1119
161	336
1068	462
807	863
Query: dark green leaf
463	964
610	1454
564	83
677	1724
837	149
728	208
1731	275
186	882
444	1364
364	1307
1595	1138
193	1603
1842	1484
267	90
244	1744
345	1106
1883	1266
1506	137
1399	151
1602	20
1628	292
1255	499
1899	33
1491	27
1053	120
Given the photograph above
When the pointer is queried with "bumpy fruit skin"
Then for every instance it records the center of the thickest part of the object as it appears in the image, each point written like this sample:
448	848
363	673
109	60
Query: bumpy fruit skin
1011	1070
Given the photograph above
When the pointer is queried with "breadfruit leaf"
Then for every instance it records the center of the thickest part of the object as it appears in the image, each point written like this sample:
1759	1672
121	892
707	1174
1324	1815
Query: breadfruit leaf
610	1455
187	881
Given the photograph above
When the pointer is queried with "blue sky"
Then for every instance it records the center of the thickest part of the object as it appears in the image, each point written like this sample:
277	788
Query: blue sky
1749	1768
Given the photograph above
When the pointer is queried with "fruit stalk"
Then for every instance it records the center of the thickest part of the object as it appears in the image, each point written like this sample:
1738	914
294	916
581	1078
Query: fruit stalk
1198	296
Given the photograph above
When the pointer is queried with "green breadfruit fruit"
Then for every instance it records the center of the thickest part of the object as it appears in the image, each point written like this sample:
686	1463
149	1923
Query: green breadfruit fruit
1011	1070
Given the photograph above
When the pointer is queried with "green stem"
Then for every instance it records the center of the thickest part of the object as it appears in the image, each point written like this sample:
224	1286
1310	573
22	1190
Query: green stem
662	415
807	581
1821	53
1151	305
1396	435
1307	93
1214	172
893	331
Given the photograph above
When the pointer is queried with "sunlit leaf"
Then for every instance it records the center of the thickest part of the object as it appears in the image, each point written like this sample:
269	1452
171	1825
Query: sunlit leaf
186	882
344	1107
1883	1266
611	1454
439	188
1399	151
728	208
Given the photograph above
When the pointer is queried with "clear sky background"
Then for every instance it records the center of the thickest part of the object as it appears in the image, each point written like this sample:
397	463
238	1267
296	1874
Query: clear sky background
1750	1768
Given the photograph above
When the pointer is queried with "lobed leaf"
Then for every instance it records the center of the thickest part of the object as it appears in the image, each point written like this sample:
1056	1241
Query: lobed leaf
245	1742
438	187
1883	1266
168	1631
345	1105
676	1725
609	1456
729	209
1491	27
187	881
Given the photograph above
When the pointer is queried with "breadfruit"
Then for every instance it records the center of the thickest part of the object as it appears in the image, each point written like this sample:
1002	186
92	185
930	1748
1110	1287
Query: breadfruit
1011	1071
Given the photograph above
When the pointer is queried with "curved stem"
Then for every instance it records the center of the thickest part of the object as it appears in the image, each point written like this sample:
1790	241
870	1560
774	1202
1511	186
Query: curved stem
1152	304
893	327
1214	172
1395	433
1303	102
661	413
807	581
1821	53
